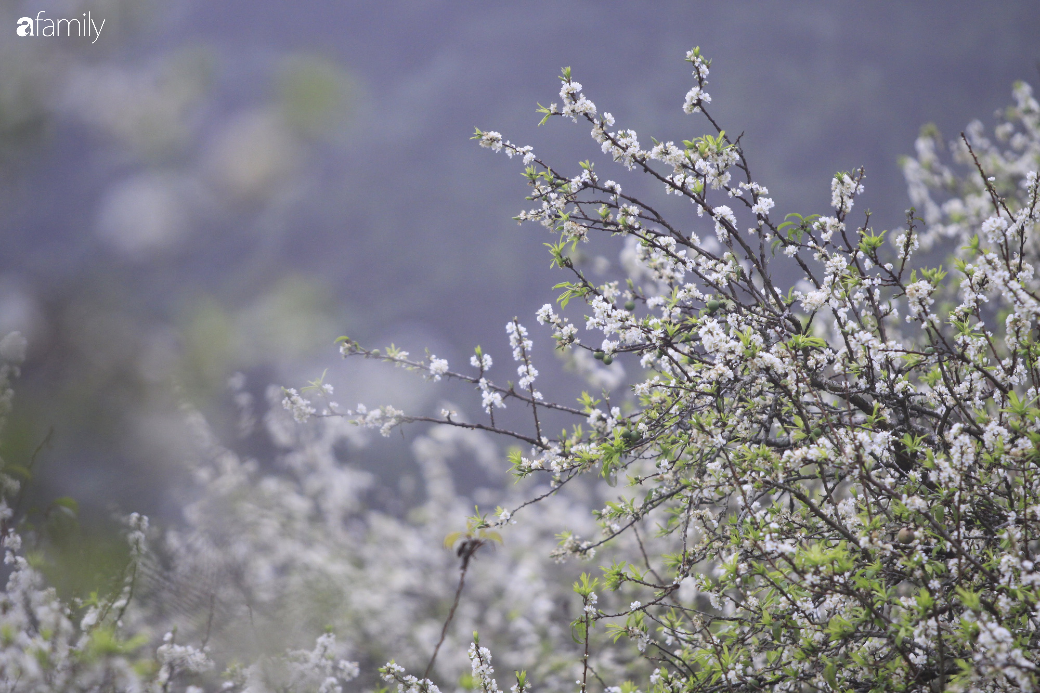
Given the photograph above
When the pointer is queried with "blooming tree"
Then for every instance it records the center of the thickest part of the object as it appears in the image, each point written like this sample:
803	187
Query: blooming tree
834	442
819	471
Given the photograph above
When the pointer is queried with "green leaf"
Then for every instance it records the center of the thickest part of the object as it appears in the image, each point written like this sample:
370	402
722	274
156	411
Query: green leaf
969	599
18	472
830	673
586	585
66	503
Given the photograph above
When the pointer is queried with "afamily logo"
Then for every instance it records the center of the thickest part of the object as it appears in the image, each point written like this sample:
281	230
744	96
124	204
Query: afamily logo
46	27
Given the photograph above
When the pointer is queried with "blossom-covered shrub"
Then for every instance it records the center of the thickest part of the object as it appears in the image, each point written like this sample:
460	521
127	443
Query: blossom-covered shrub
288	579
835	477
283	554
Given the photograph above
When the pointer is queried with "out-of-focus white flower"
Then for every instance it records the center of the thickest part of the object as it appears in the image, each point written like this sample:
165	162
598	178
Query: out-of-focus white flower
13	347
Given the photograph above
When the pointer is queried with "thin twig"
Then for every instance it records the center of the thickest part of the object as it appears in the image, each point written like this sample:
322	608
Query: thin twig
585	659
22	487
466	551
209	621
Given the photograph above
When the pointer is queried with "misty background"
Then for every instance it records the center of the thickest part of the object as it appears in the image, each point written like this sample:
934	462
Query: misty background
222	188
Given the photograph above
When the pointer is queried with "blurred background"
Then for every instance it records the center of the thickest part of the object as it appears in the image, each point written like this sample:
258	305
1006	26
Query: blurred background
220	188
